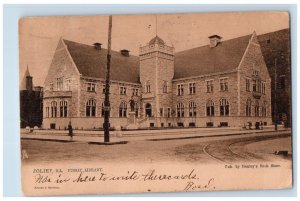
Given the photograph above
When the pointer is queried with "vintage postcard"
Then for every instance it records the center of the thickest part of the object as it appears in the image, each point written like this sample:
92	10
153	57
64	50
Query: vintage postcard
155	103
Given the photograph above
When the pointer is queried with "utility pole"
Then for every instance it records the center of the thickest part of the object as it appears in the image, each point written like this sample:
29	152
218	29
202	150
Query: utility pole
275	94
107	82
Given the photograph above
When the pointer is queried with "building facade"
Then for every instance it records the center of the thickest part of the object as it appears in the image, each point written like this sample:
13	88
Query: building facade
31	102
225	83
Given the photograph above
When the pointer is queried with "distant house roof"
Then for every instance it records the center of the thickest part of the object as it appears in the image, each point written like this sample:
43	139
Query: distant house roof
204	60
91	62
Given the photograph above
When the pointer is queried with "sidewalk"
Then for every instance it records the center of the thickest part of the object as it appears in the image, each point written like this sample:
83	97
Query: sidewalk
152	135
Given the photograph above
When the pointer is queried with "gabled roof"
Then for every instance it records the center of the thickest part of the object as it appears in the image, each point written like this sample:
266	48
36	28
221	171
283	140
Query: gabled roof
92	62
204	60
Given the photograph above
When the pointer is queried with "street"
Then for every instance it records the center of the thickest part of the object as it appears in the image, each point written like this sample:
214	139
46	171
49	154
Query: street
252	147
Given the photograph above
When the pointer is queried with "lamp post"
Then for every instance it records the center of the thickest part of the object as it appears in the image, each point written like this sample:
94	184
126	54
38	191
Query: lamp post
275	94
107	81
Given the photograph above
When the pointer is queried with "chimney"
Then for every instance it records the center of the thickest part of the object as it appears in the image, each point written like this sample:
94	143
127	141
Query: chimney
125	52
214	40
97	46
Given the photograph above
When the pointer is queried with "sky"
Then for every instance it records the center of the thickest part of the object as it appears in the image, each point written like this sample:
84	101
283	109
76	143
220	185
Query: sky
38	36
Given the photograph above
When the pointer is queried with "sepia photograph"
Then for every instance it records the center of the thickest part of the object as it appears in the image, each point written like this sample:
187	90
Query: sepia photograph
181	102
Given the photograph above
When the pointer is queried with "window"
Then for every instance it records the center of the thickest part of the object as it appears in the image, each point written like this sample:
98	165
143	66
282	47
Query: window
63	108
165	87
103	88
51	86
161	112
122	90
247	84
180	89
102	110
248	108
123	109
256	109
192	88
147	87
282	82
47	112
68	85
264	109
209	86
135	92
136	109
60	83
169	112
223	84
263	87
91	87
210	109
192	109
180	109
224	107
53	109
91	108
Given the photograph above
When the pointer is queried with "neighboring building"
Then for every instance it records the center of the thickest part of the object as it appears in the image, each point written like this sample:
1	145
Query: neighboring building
31	102
276	47
225	83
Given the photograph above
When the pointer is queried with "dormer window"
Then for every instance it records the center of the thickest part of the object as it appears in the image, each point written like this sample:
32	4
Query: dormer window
91	87
214	40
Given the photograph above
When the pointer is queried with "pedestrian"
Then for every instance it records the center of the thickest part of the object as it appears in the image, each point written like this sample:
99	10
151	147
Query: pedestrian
70	131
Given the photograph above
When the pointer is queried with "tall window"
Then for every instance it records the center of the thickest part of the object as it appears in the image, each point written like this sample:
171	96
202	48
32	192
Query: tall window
264	109
210	108
103	111
282	82
123	109
63	108
47	112
169	112
60	83
91	87
165	87
91	108
192	88
161	112
263	87
223	84
247	84
256	109
192	109
224	107
68	85
209	86
53	109
180	109
136	109
122	90
51	87
147	87
180	89
103	88
248	108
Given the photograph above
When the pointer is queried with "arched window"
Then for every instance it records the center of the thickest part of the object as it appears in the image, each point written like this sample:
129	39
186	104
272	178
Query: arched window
192	109
248	108
103	111
63	108
210	108
180	109
47	110
256	108
224	107
264	109
165	87
91	108
123	109
53	109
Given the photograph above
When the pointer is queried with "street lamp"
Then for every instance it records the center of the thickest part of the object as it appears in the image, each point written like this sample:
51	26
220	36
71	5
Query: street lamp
107	81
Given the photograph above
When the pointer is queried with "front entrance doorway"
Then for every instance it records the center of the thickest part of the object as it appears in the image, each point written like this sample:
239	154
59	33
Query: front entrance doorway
148	109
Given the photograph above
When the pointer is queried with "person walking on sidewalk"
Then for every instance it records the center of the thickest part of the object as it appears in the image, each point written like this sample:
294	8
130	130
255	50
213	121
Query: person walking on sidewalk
70	131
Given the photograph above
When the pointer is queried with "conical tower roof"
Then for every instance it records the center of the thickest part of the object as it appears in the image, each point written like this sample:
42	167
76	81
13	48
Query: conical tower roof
23	83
